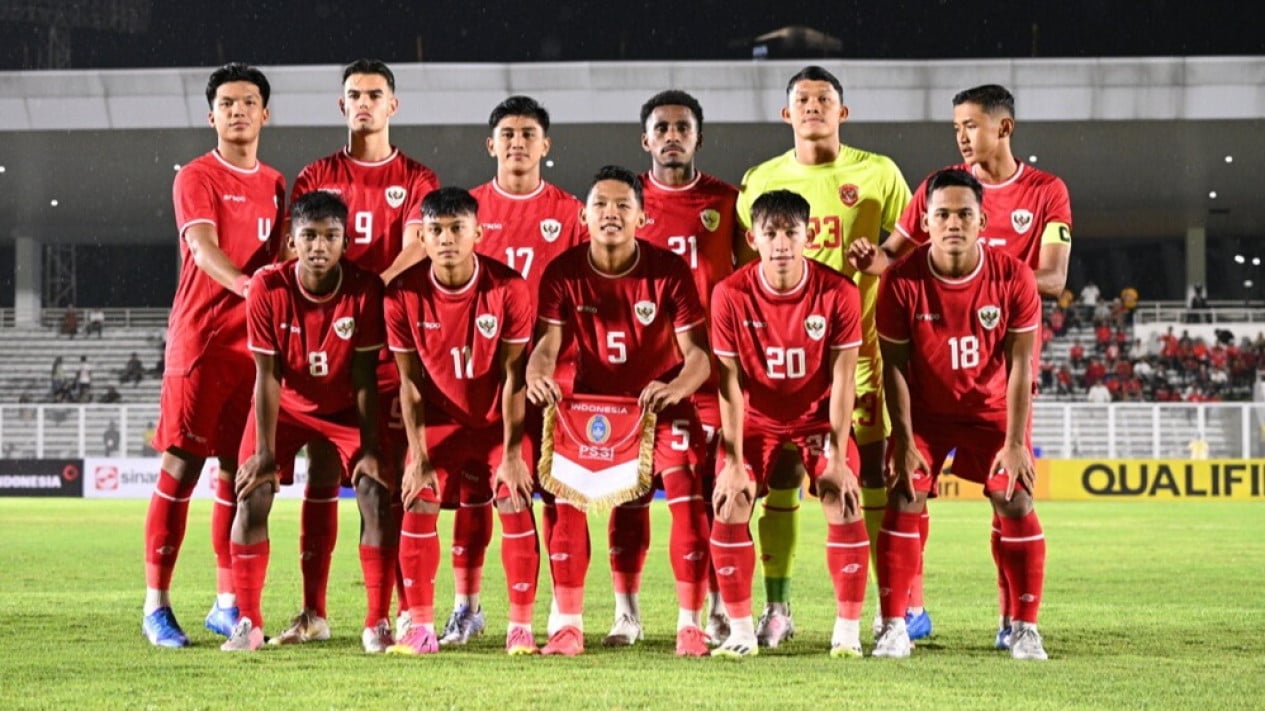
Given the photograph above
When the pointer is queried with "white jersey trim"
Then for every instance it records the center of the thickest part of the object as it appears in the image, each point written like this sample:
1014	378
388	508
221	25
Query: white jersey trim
397	349
323	298
698	176
496	186
726	354
690	326
1003	184
367	349
474	278
1023	329
257	349
235	169
550	321
199	221
371	164
516	340
846	346
636	260
889	339
979	246
803	279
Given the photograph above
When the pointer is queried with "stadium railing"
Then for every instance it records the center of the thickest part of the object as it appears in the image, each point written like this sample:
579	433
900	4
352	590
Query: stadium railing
1178	312
51	317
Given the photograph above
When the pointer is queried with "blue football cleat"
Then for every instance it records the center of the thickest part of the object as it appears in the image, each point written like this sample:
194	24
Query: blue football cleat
919	626
1003	638
162	630
221	620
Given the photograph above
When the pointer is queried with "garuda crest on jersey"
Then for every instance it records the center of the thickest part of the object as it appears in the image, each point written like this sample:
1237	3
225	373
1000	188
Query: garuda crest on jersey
486	323
395	195
345	328
1021	220
849	194
816	327
710	219
645	311
989	317
550	229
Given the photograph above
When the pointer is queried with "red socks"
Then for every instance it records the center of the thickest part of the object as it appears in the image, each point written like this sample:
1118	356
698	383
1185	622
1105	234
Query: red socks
378	566
1022	549
687	543
222	513
520	555
733	559
471	534
1003	588
250	568
419	561
318	531
164	528
898	544
848	557
569	554
924	530
629	536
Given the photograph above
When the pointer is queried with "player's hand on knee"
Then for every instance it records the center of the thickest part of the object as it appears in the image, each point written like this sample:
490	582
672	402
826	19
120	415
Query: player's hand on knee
1015	461
733	492
369	465
906	461
419	482
516	477
257	471
543	391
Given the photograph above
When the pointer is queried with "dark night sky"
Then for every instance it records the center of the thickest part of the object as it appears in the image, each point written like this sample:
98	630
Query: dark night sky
323	31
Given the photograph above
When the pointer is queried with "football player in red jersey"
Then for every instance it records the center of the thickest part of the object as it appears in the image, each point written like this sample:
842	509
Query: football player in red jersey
640	332
786	331
315	330
459	324
694	215
383	189
229	210
1029	218
957	324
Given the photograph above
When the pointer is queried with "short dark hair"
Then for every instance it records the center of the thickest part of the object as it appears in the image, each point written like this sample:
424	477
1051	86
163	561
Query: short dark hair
237	71
449	202
623	175
318	205
673	97
814	73
780	205
519	105
955	178
990	97
370	66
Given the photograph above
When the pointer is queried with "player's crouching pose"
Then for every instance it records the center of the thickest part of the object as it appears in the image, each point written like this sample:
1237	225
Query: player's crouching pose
314	325
459	325
958	324
786	332
639	329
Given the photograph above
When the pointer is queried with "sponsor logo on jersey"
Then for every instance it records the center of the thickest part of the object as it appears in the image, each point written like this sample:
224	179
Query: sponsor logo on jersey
849	194
585	309
926	317
550	229
345	327
754	324
989	317
598	429
816	327
292	328
1021	220
486	323
710	219
332	191
645	312
429	325
395	195
492	226
234	198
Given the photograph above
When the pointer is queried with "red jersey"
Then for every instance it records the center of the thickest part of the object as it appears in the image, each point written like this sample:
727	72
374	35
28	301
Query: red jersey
699	222
1020	213
783	340
528	231
245	207
315	337
625	325
457	335
382	198
956	331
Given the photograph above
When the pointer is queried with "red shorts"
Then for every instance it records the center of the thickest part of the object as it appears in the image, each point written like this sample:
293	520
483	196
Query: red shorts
976	445
204	410
708	406
392	444
466	459
762	448
297	429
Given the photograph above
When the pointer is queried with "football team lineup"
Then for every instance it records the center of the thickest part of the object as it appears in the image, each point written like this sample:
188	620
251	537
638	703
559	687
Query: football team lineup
515	353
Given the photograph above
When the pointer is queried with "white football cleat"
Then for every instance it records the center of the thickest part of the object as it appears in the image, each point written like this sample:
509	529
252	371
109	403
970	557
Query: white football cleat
377	639
893	642
1026	643
305	627
624	633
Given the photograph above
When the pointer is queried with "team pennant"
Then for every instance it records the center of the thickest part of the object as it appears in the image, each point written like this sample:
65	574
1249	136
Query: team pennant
597	451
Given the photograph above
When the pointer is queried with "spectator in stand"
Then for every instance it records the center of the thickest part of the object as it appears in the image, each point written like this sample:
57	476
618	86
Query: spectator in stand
1124	341
1198	306
1129	299
1200	351
1099	394
1076	354
1090	294
1095	371
1066	299
133	372
1111	353
1065	385
147	437
1142	369
96	323
1133	390
57	380
111	395
83	380
70	321
110	439
1102	313
1058	321
1102	336
1117	313
1047	376
1124	369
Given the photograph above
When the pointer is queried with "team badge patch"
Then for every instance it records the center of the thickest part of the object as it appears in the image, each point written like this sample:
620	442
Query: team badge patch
849	194
598	429
645	311
550	229
1021	220
345	327
486	323
989	317
710	219
395	195
597	452
816	327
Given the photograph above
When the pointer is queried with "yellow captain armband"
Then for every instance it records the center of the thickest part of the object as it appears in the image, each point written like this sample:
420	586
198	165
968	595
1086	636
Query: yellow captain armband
1056	233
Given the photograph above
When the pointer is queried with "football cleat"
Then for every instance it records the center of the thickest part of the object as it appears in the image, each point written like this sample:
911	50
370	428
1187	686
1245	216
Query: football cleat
519	642
846	650
222	620
418	640
246	637
775	627
893	642
691	642
1026	643
624	633
568	642
378	638
162	630
918	626
878	623
402	623
305	627
717	630
462	625
734	648
1002	641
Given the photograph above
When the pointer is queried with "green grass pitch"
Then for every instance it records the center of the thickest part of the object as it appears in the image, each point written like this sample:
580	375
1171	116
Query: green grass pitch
1148	605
